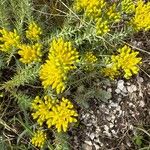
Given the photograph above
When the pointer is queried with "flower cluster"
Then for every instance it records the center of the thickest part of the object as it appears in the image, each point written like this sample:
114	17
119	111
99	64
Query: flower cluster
100	12
102	27
62	59
39	138
92	8
61	115
112	15
33	32
141	19
127	6
125	61
54	113
110	71
9	40
89	60
42	108
30	53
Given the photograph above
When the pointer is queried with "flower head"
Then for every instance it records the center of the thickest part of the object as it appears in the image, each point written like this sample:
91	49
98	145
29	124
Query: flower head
127	61
39	138
9	40
112	14
89	59
141	19
62	115
53	76
128	6
33	32
110	71
30	53
41	108
54	113
92	8
63	54
102	26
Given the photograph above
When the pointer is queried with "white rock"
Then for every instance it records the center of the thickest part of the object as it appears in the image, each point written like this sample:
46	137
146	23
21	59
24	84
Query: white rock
117	91
120	85
107	133
124	90
88	142
106	128
92	136
109	90
131	88
142	104
97	140
113	117
118	108
114	104
86	147
113	132
108	118
96	147
111	125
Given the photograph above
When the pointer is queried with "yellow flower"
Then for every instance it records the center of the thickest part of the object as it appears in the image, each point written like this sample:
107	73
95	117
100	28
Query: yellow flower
39	138
33	32
102	27
141	19
53	76
61	115
112	14
92	8
30	53
89	59
128	6
127	61
9	40
41	108
63	54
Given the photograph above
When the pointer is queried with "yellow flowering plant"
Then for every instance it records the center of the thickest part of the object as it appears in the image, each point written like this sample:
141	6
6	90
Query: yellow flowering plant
30	53
39	138
126	61
62	58
140	20
9	40
54	113
33	32
64	64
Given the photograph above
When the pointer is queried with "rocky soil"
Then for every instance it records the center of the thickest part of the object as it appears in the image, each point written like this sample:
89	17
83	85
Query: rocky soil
113	125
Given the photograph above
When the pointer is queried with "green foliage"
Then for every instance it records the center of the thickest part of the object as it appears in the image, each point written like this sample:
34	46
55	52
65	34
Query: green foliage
62	141
21	81
24	75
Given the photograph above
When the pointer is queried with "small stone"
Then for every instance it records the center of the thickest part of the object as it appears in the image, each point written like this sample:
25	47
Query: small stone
142	104
113	132
120	85
106	128
131	88
96	146
109	90
117	91
86	147
118	108
111	125
124	90
140	79
88	142
92	136
97	140
114	104
108	118
107	133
